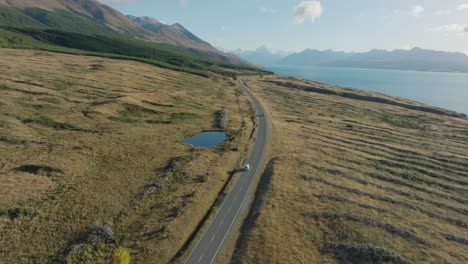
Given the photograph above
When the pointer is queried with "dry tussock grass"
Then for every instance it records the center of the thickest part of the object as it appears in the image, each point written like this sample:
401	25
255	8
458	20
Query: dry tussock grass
358	181
110	127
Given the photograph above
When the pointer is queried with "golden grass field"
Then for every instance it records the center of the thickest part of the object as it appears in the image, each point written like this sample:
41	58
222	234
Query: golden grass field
355	181
88	140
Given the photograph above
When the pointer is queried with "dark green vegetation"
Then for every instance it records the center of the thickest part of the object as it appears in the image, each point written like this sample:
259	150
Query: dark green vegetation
162	55
14	213
43	19
59	19
14	17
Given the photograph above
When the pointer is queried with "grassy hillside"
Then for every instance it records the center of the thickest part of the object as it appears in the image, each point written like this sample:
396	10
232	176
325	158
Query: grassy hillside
93	17
10	16
173	34
60	20
163	55
353	179
82	16
89	140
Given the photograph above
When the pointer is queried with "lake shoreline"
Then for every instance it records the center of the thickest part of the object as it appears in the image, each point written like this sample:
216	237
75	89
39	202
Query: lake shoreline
439	89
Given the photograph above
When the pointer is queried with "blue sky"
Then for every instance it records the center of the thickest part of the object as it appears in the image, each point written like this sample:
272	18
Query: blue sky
291	25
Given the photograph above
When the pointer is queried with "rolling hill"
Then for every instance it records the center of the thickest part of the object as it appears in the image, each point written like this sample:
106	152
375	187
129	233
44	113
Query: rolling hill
119	47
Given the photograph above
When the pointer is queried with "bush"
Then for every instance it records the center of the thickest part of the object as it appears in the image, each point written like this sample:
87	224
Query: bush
121	256
221	118
76	250
100	233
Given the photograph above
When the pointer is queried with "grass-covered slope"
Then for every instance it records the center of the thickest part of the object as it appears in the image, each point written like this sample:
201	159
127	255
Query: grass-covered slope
93	17
357	181
87	140
60	20
84	16
163	55
10	16
66	21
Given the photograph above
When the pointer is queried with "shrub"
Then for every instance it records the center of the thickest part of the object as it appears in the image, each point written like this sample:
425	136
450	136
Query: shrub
14	213
39	170
221	118
76	250
121	256
100	233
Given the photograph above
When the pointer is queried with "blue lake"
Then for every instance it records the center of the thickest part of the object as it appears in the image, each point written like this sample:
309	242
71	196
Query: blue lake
206	139
446	90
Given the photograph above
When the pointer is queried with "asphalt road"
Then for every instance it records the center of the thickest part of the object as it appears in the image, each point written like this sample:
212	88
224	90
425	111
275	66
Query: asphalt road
218	231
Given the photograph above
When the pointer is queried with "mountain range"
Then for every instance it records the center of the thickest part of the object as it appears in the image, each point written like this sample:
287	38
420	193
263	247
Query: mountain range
417	59
261	56
92	17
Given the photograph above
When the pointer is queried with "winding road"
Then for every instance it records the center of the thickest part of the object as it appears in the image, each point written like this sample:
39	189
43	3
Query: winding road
207	248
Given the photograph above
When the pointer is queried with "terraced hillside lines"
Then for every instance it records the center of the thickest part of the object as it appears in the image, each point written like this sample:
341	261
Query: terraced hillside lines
357	181
88	140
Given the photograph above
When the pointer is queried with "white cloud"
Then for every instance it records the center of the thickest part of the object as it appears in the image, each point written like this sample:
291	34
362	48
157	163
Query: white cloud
119	2
417	10
462	7
266	10
307	10
452	28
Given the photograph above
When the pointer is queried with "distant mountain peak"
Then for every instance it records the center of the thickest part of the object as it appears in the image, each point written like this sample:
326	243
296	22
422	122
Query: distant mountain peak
261	55
146	19
173	34
178	26
264	48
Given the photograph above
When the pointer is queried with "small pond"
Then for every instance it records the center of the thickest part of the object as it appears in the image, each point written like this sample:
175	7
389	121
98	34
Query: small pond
206	139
